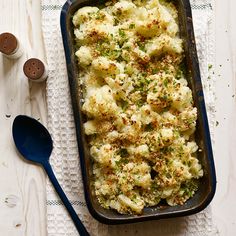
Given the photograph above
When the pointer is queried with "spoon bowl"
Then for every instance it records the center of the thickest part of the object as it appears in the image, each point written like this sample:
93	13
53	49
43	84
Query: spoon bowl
34	143
32	139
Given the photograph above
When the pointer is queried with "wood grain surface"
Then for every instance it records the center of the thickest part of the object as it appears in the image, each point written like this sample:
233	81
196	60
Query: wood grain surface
22	185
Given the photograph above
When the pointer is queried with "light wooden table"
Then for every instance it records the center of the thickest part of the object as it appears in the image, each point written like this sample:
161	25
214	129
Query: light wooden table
22	186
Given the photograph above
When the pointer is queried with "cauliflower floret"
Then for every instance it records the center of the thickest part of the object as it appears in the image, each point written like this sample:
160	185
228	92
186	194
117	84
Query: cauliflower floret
92	33
121	121
103	155
112	136
122	85
136	173
167	135
141	55
82	15
102	16
183	82
129	132
154	21
127	49
147	23
124	8
104	67
102	31
196	168
90	127
142	168
99	103
142	150
159	99
136	206
152	4
147	115
103	186
96	126
80	36
182	98
168	21
181	170
169	119
143	181
187	119
84	56
164	44
191	147
141	175
105	189
116	205
167	192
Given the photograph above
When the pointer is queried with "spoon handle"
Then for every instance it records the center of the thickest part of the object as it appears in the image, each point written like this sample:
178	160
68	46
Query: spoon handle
78	224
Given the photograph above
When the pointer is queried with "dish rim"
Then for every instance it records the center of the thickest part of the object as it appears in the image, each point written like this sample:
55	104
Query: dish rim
199	94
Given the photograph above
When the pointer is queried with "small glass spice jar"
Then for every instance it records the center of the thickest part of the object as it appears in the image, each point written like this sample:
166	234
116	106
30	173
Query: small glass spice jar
35	70
10	46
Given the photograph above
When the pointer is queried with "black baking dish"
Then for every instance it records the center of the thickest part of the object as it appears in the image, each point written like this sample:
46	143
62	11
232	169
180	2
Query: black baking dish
208	183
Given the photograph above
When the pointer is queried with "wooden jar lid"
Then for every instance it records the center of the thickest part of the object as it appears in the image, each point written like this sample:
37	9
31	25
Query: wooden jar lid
8	43
34	68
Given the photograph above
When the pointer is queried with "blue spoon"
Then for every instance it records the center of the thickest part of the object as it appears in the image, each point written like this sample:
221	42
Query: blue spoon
34	143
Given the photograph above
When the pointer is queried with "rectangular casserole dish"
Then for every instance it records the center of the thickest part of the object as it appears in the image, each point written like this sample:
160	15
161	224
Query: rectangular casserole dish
207	186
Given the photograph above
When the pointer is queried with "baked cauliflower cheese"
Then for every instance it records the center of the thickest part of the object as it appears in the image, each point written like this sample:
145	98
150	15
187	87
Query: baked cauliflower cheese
138	105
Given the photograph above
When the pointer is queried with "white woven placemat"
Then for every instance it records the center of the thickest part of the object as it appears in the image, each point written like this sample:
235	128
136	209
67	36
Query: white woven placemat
65	159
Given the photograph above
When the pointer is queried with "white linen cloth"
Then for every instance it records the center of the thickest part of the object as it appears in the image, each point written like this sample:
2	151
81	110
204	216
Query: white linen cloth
65	158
